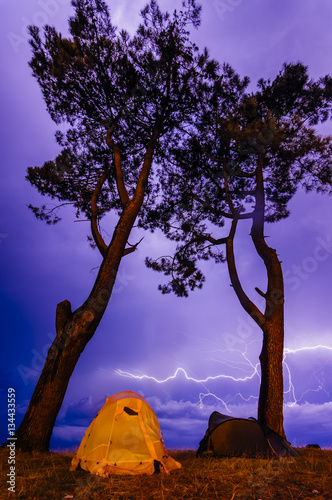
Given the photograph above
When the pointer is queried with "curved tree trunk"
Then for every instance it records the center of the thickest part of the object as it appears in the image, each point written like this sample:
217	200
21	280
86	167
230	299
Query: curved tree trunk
75	329
270	405
271	396
271	322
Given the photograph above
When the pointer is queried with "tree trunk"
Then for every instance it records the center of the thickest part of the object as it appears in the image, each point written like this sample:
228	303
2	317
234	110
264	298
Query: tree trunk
35	431
270	405
271	322
271	396
74	330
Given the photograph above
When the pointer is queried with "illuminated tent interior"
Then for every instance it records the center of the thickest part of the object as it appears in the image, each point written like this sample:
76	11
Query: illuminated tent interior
124	438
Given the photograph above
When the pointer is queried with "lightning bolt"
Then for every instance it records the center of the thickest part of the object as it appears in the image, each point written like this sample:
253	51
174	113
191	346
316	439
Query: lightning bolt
291	389
202	396
254	371
313	348
182	370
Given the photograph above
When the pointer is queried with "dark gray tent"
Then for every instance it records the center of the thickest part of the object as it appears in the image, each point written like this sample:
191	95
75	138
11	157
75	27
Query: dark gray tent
230	436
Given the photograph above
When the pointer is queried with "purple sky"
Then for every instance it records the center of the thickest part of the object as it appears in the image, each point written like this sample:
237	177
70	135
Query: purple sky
197	354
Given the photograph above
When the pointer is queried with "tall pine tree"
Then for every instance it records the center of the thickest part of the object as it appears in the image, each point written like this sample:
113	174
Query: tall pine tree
244	159
123	99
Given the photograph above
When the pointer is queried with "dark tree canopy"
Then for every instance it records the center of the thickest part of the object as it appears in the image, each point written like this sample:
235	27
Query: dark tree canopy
103	81
212	177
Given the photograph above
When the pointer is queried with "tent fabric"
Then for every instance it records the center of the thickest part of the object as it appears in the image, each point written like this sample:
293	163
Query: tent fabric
124	438
231	436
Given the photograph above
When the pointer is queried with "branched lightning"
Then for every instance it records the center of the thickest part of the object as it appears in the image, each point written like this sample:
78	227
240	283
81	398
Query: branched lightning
202	396
254	371
291	388
182	370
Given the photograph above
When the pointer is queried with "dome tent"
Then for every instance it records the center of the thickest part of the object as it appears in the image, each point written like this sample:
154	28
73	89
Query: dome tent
124	438
230	436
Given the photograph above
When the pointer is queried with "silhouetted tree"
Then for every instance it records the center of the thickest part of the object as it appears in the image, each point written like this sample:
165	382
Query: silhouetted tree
124	100
244	159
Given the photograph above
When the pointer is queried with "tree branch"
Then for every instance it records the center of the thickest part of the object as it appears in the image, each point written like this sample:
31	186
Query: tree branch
101	245
262	294
245	174
122	190
146	167
246	303
201	238
214	241
216	211
58	206
131	248
227	193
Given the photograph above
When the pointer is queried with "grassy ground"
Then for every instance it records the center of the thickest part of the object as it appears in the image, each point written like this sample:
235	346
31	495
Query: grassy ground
46	476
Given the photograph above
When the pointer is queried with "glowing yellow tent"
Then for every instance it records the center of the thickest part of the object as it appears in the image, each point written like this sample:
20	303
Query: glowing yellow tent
124	438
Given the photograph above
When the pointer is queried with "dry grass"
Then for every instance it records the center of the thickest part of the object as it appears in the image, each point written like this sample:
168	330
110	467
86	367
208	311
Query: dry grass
47	476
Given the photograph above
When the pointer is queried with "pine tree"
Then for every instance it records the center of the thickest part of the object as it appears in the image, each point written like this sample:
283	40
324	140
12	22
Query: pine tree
244	158
120	101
